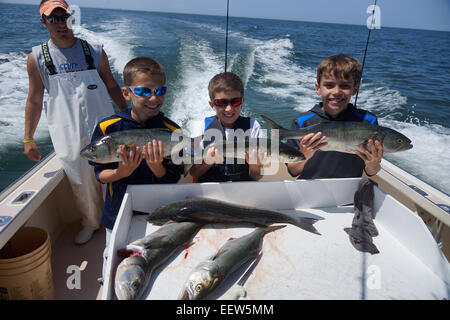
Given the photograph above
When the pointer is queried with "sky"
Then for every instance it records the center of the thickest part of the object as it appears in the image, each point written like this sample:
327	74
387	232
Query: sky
413	14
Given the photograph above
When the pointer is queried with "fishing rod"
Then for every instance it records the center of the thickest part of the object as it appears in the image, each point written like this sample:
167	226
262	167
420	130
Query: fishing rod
367	45
226	35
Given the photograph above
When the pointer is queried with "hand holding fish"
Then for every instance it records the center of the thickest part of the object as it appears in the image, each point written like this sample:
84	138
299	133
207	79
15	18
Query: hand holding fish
371	156
153	154
131	159
255	161
312	142
213	156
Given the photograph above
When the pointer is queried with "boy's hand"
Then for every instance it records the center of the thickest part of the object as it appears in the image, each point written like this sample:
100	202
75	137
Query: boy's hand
130	160
154	156
372	158
255	158
212	156
312	142
255	161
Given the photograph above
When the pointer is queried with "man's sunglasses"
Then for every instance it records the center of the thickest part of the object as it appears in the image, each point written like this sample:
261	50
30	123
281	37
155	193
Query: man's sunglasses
146	92
222	103
56	19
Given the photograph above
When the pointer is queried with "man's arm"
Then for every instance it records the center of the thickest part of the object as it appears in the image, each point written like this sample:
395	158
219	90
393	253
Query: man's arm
33	108
111	85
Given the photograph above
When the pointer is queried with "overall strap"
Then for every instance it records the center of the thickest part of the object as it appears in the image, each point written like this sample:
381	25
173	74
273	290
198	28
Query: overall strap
48	59
87	54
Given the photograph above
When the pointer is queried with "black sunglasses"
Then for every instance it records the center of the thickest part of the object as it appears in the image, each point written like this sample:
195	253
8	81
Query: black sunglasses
55	19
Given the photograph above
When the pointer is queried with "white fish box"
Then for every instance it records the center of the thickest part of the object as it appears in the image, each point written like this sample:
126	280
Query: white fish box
295	264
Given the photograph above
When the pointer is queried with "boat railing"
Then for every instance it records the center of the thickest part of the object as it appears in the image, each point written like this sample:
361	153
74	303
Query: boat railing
22	179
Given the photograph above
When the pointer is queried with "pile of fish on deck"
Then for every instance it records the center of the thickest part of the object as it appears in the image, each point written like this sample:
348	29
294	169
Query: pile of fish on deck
143	256
182	220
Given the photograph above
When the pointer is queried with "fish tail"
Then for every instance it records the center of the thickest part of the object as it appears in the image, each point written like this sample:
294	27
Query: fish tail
273	125
305	223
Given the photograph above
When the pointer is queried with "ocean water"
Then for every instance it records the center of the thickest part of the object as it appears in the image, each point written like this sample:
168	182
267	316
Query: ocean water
405	82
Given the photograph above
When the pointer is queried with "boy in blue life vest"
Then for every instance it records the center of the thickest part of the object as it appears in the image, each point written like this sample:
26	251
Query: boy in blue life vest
144	80
226	92
338	79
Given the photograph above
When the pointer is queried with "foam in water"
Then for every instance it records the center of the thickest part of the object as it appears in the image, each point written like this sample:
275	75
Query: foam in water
281	78
428	158
13	95
200	64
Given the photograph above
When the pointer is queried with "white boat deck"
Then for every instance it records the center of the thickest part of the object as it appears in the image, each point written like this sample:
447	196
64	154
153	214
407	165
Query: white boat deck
296	264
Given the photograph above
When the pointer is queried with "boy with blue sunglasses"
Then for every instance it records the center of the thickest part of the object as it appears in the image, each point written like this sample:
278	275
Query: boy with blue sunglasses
144	79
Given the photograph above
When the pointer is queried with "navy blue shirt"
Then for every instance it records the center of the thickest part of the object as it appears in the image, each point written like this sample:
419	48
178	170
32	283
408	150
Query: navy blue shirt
331	164
142	175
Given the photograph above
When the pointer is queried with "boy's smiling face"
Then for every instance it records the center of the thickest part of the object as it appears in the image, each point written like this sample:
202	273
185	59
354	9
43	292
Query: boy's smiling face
144	108
335	93
229	114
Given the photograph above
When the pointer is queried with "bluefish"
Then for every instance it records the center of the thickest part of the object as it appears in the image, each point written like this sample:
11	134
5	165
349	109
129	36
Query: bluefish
105	150
206	210
237	149
146	254
208	275
346	136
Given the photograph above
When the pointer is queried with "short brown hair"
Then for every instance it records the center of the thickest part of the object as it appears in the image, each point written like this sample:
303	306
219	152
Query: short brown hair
225	81
340	66
141	65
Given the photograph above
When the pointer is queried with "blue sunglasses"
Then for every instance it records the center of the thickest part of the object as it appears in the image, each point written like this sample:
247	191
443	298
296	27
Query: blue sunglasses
146	92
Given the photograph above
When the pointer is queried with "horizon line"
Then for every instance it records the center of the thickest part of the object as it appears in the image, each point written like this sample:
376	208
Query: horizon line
232	16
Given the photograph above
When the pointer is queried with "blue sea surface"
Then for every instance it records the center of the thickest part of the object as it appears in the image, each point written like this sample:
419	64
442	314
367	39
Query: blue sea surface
405	82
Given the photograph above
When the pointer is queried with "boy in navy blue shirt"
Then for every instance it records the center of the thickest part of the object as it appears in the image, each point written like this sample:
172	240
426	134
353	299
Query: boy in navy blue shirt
144	79
338	79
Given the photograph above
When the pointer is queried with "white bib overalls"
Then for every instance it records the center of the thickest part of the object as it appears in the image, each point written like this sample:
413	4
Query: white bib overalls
77	102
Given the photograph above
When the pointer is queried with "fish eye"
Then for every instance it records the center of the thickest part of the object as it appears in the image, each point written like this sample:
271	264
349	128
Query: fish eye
399	140
198	288
91	149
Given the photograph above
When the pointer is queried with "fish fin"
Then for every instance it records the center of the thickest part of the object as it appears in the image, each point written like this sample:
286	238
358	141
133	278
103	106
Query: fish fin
186	168
272	124
273	228
184	295
284	144
156	242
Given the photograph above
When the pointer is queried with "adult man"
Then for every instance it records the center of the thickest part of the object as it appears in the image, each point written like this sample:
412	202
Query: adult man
78	80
